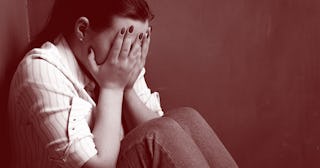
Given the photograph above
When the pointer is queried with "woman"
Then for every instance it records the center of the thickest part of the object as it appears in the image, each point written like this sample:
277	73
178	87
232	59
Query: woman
66	97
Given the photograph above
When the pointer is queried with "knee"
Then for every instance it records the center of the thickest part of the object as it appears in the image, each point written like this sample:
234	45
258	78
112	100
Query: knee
162	125
184	112
189	110
160	129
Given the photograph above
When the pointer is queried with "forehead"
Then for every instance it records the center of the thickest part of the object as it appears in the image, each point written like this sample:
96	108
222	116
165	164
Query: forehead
139	26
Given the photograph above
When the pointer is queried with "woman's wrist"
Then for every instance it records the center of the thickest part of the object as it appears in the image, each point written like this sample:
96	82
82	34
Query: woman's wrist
114	90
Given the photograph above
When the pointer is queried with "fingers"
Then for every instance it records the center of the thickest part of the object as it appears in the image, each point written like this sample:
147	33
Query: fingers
126	45
116	46
145	45
136	47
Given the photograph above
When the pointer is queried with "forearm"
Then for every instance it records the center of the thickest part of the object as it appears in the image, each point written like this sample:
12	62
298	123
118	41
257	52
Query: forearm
107	128
136	111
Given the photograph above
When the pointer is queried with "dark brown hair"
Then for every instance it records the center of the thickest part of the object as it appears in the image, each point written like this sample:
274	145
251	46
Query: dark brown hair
99	12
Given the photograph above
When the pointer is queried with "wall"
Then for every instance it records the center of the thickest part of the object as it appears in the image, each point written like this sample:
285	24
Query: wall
14	37
250	67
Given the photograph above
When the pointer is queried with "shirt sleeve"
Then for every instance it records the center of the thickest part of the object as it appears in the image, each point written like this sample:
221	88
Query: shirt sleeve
58	115
150	99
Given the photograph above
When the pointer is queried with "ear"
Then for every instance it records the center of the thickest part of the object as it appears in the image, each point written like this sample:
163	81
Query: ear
81	28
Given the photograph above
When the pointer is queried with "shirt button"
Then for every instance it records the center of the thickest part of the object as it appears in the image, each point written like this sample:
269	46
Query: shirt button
74	119
73	129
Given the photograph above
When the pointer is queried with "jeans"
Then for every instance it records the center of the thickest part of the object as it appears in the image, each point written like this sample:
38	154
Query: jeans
179	139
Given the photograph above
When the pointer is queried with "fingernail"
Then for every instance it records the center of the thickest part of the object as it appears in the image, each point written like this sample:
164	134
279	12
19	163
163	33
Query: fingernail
131	29
123	30
140	36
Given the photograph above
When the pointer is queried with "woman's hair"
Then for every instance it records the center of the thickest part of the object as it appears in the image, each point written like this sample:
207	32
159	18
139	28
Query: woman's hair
99	12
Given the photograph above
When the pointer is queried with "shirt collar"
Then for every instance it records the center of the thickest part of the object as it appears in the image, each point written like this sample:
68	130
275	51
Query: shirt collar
70	62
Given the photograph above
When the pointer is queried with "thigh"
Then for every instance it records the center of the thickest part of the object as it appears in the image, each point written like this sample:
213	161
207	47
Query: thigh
160	143
204	136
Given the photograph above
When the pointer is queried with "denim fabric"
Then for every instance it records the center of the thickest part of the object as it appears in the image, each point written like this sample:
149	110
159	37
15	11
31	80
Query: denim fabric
179	139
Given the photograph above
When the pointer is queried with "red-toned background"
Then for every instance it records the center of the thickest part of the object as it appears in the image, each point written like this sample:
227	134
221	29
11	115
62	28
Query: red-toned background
251	68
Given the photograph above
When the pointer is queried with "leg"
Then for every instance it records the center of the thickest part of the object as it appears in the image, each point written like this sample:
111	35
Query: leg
160	143
202	134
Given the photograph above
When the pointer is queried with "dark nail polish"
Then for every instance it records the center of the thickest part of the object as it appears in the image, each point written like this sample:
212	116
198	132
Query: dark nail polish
148	34
131	29
140	36
123	30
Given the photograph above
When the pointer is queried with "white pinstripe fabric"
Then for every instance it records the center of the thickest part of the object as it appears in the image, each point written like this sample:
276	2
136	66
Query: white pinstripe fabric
50	111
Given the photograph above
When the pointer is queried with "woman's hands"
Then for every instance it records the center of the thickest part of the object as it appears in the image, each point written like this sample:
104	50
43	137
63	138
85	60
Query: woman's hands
124	62
143	52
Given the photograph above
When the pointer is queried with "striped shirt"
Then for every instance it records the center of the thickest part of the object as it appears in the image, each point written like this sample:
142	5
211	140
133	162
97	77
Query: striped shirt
51	113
